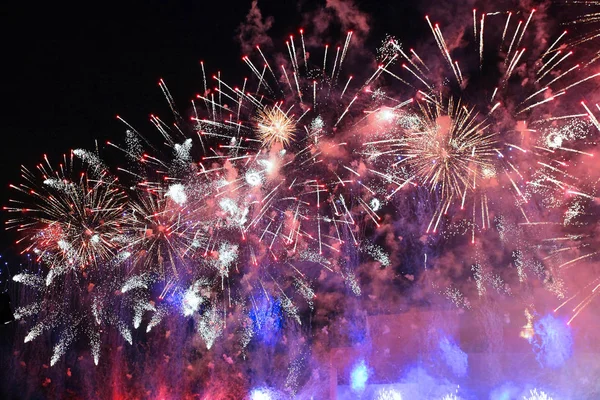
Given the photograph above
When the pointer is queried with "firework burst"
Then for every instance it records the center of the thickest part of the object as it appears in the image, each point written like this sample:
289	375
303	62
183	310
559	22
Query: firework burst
449	150
71	222
274	127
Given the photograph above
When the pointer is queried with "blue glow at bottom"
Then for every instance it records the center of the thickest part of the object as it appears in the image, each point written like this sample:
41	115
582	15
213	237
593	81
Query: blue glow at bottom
260	394
553	342
359	376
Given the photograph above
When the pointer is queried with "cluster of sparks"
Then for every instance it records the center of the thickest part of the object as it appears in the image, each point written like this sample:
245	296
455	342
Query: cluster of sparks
279	177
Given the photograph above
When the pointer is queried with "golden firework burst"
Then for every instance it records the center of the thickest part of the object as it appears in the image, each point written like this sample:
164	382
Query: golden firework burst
448	148
274	126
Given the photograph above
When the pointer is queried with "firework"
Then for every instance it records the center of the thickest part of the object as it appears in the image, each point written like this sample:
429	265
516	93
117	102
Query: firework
448	150
71	222
273	185
274	127
162	232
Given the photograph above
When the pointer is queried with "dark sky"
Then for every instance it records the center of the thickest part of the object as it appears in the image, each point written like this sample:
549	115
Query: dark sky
70	69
